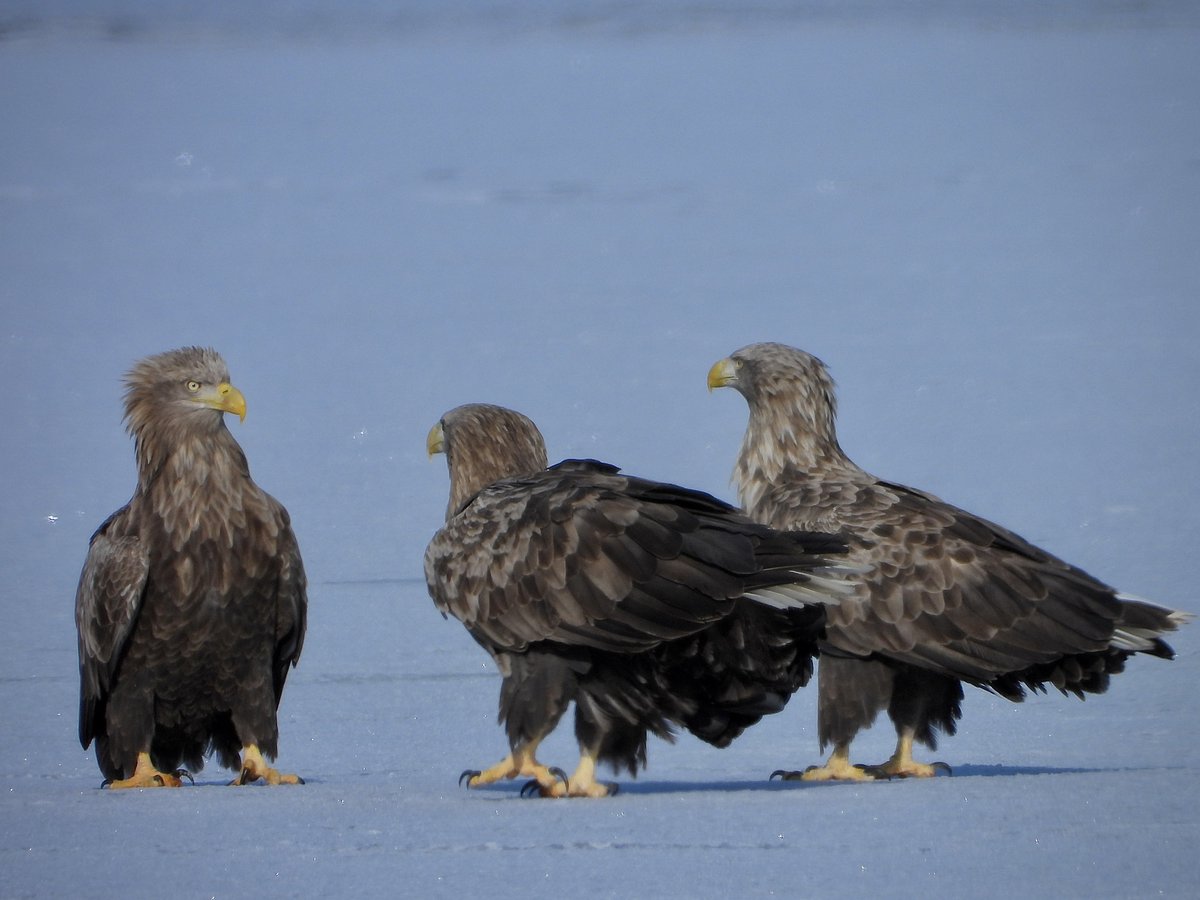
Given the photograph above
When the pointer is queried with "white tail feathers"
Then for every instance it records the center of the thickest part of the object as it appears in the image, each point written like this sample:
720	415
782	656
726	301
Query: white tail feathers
826	586
1135	640
1144	624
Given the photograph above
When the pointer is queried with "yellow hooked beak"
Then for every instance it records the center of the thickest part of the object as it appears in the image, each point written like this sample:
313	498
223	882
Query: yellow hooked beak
226	398
722	374
436	441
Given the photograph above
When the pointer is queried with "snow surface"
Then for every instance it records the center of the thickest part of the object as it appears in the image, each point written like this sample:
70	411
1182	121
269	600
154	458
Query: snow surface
984	217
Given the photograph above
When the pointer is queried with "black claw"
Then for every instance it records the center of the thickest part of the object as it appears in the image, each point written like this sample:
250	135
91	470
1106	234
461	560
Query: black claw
942	767
788	775
535	788
467	775
184	773
531	788
613	788
875	772
299	780
107	782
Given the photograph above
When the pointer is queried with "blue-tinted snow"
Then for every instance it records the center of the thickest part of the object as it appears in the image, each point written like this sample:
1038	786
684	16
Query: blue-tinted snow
985	217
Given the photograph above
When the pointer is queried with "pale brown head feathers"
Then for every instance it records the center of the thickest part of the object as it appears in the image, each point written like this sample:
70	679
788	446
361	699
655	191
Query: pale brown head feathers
483	444
176	396
792	415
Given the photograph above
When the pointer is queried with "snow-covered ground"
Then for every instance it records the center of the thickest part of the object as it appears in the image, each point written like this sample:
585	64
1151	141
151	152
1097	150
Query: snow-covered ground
984	217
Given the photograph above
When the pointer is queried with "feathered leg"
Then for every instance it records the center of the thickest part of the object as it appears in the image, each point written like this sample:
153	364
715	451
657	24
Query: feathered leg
850	693
535	693
600	737
922	704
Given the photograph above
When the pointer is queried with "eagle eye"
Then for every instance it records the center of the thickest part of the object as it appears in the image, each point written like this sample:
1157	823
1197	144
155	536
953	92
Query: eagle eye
193	386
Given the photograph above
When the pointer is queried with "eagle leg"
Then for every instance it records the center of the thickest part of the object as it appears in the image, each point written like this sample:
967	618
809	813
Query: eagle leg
145	775
582	782
902	765
522	761
255	768
837	768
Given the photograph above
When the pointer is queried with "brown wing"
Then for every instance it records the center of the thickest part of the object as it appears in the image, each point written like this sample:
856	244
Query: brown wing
107	601
579	555
291	600
954	593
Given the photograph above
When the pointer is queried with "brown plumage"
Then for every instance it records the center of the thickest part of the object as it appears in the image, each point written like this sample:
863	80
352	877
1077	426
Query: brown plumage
944	596
191	605
647	604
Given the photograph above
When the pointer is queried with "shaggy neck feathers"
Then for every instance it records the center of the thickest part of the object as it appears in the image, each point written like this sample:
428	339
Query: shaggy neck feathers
791	435
484	444
191	470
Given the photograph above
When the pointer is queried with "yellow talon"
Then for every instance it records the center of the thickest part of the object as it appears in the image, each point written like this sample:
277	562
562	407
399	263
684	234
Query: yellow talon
145	775
837	768
545	781
902	765
255	768
582	782
507	768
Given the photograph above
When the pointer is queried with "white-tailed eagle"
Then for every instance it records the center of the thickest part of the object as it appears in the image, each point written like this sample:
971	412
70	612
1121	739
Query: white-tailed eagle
646	604
942	596
191	606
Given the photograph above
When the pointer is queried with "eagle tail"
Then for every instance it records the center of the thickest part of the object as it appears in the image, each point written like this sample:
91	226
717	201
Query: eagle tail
1142	624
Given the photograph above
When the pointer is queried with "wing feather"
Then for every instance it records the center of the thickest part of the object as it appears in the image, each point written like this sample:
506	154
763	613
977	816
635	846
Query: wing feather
578	554
291	600
951	591
107	601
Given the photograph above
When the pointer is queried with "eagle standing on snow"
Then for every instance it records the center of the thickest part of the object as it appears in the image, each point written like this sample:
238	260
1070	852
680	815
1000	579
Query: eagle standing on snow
946	597
191	606
644	603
